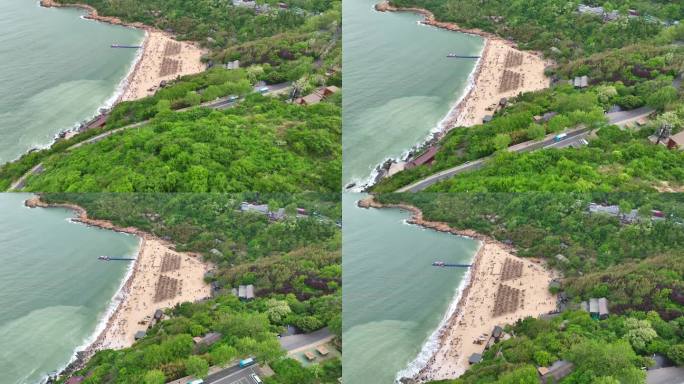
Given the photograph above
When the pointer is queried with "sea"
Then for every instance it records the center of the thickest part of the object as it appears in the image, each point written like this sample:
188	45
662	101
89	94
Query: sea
398	84
55	294
57	69
394	300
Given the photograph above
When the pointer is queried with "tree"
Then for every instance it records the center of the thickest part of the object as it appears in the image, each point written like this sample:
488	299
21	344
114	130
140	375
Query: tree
223	354
639	333
154	377
196	366
662	97
524	375
536	132
676	354
277	310
543	358
502	141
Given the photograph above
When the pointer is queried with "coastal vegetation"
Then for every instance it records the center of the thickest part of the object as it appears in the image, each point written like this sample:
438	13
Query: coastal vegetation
616	159
293	147
260	145
630	254
294	264
557	28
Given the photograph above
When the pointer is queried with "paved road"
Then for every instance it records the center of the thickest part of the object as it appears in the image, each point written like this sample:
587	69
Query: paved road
528	146
625	117
671	375
237	375
291	343
233	375
616	118
221	103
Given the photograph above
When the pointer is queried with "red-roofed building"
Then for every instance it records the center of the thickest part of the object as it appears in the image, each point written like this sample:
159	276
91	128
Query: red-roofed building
426	158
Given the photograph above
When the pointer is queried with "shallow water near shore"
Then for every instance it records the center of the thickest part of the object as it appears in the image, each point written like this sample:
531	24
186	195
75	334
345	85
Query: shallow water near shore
394	299
53	290
57	69
398	83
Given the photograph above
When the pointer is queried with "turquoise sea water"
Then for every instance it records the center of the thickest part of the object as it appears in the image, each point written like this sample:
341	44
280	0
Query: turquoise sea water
53	290
398	83
394	299
56	70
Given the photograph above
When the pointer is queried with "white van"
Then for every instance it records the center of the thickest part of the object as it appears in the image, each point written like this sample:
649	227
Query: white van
198	381
256	378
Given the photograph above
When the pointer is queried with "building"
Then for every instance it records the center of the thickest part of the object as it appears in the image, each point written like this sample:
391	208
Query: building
158	314
330	90
258	208
497	332
263	209
75	380
309	356
139	335
585	9
676	141
603	308
594	308
474	358
235	64
208	339
597	308
246	292
487	119
322	350
318	95
581	82
556	372
425	158
612	210
310	99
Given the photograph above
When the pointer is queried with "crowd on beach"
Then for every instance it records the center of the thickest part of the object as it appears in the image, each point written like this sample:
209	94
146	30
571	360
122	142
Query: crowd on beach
474	316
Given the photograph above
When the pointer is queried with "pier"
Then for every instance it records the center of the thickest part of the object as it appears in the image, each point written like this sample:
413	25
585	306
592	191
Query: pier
457	56
125	46
107	258
450	265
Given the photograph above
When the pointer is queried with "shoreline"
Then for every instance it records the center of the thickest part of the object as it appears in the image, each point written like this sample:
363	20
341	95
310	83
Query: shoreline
144	76
448	358
480	98
113	330
431	346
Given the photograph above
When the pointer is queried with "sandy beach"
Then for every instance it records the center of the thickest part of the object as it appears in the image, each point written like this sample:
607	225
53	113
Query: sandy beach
162	57
502	71
160	278
502	289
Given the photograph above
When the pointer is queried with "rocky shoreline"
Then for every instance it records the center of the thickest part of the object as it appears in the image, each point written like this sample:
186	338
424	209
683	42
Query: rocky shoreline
92	14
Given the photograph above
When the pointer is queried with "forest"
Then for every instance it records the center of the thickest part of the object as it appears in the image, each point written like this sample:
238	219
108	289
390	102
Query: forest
555	27
633	258
615	159
294	263
298	45
261	145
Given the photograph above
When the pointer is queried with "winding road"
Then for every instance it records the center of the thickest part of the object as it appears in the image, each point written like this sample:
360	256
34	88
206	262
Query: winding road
221	103
621	118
